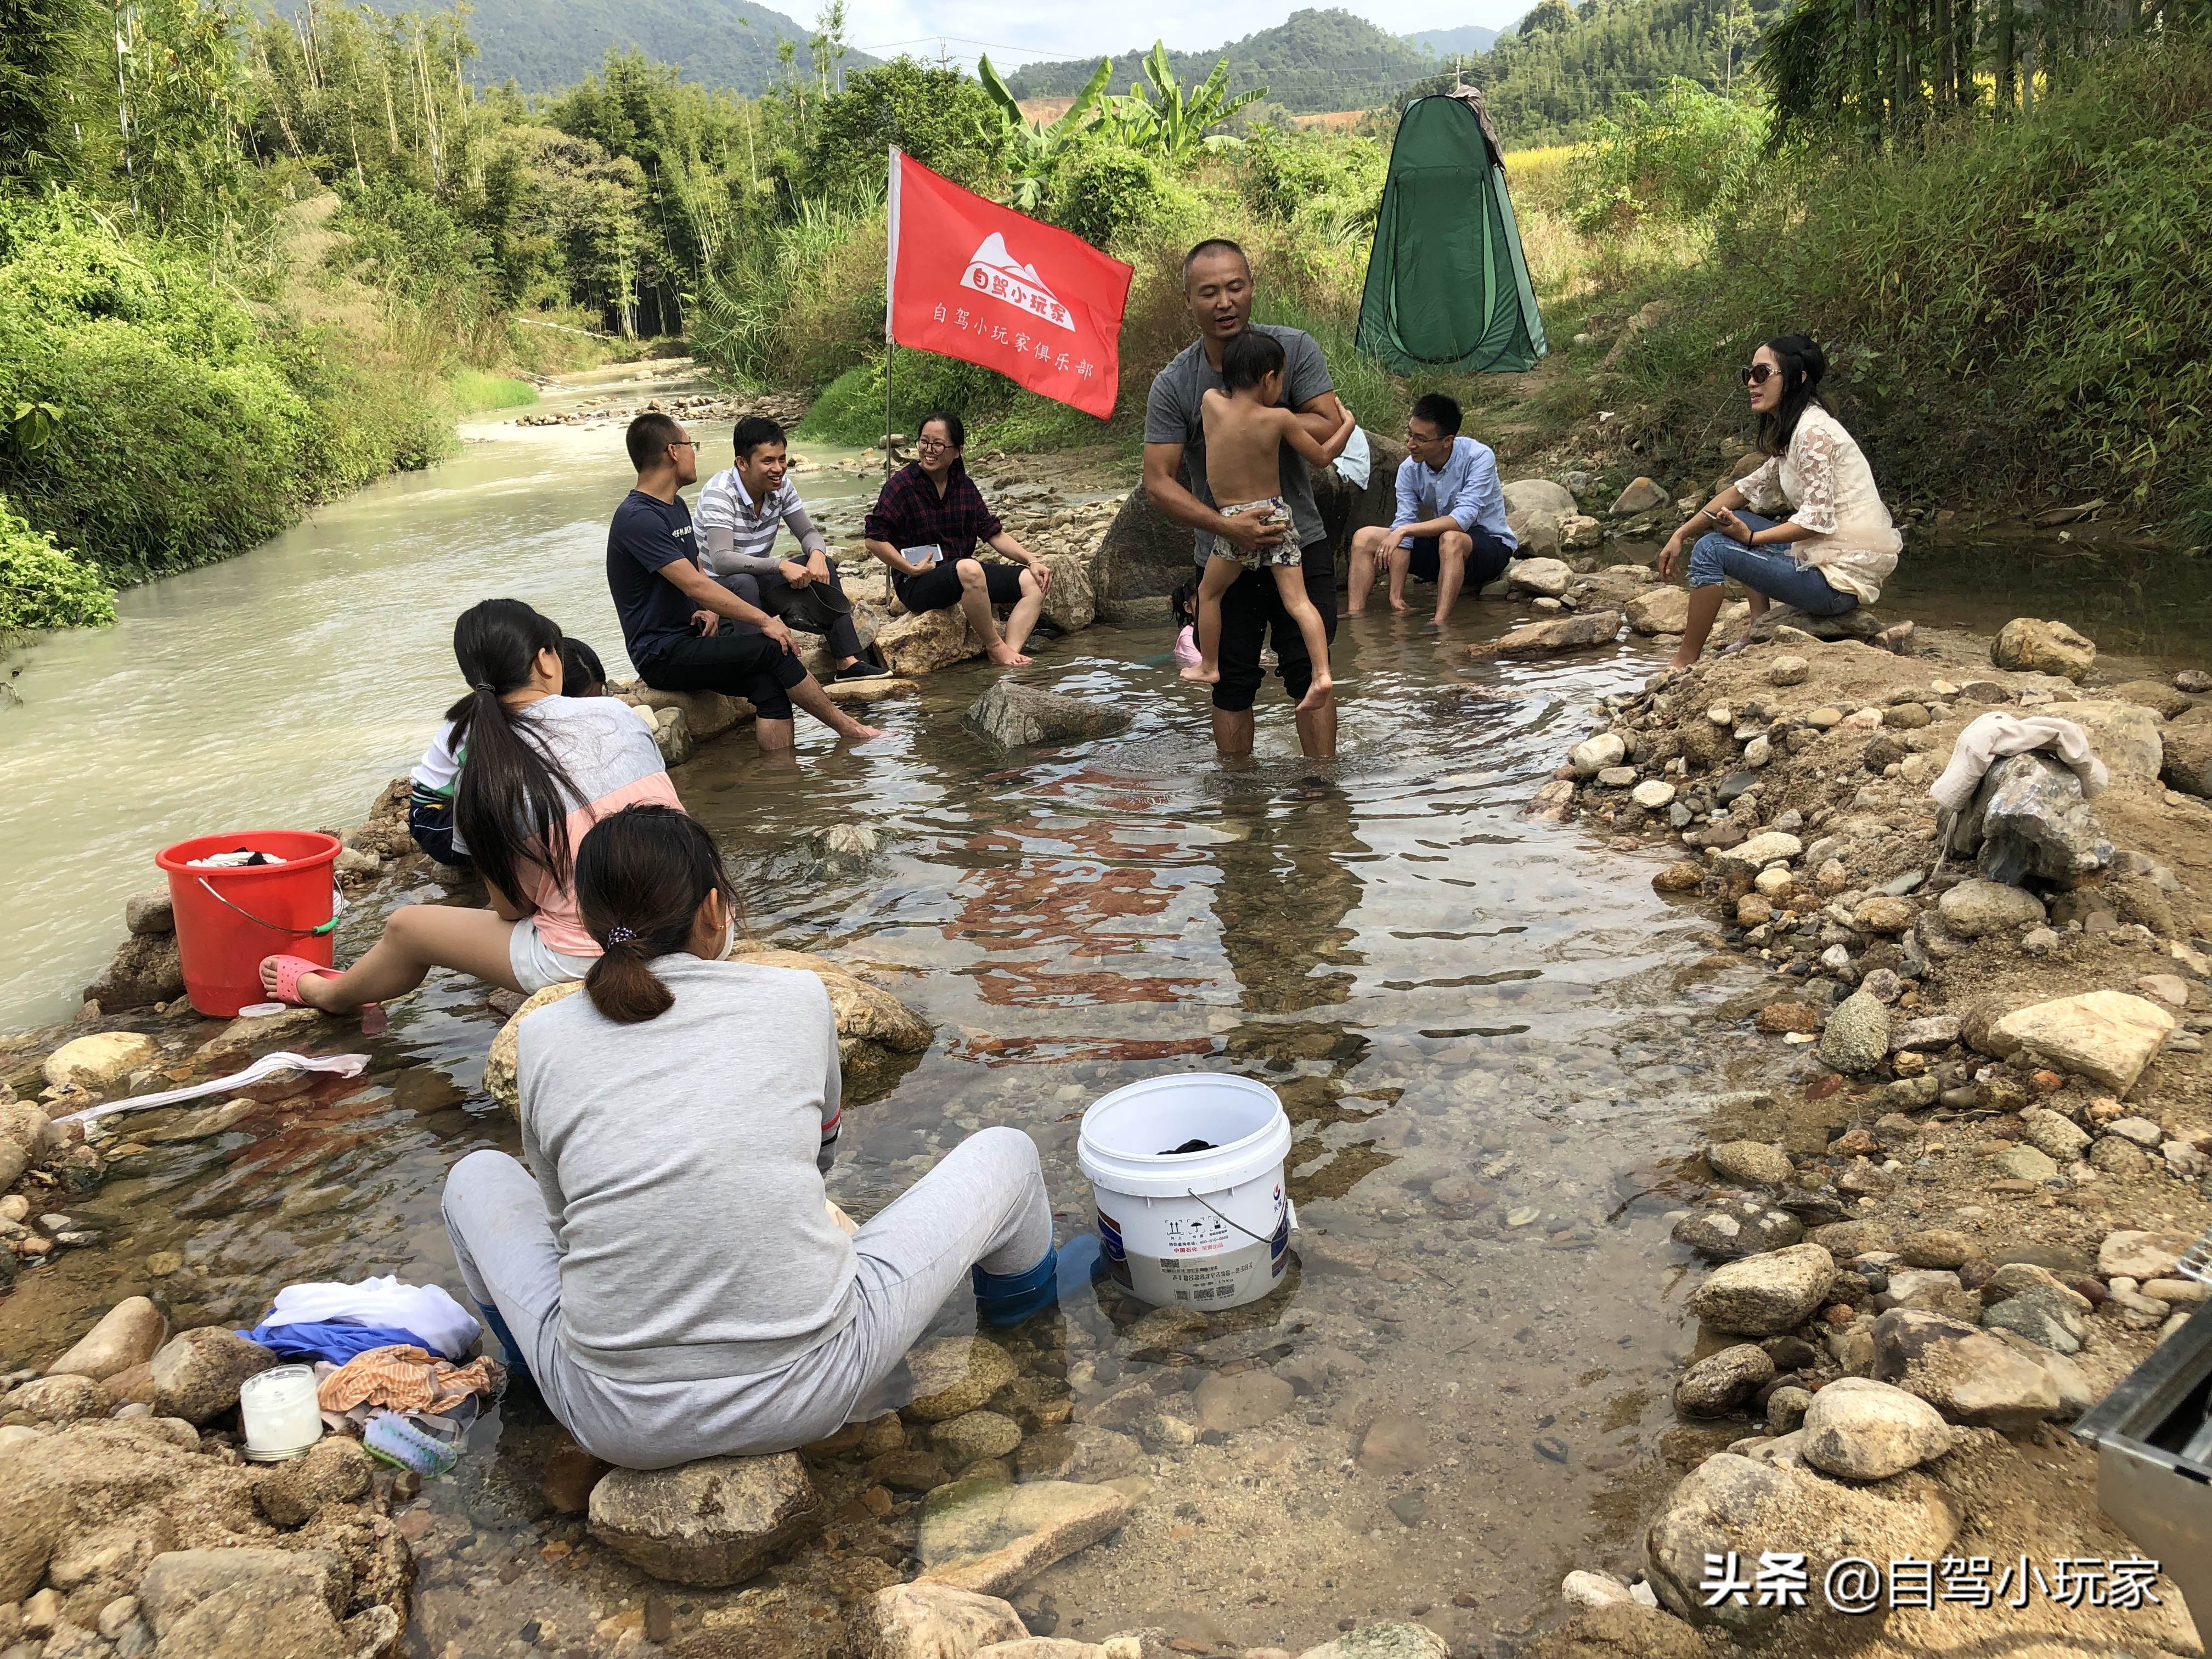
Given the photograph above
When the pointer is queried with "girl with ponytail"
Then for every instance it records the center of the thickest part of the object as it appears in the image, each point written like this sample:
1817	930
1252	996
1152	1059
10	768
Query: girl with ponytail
538	770
663	1260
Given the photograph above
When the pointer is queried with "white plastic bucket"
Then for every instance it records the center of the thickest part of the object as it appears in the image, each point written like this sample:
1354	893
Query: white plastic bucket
1209	1229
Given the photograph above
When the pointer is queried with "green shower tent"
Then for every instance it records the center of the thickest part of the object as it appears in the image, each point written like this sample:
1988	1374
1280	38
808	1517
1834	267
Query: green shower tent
1447	284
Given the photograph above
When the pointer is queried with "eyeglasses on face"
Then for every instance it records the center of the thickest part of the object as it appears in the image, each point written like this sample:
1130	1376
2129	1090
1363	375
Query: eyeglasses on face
931	443
1757	374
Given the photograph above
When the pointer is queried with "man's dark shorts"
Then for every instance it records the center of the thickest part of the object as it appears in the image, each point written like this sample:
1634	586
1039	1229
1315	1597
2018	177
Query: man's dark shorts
939	586
1485	565
1252	610
751	665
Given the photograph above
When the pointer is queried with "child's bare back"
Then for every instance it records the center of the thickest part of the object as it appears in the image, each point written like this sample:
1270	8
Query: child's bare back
1244	442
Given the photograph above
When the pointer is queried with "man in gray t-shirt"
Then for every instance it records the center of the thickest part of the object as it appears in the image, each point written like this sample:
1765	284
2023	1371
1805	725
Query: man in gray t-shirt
1217	291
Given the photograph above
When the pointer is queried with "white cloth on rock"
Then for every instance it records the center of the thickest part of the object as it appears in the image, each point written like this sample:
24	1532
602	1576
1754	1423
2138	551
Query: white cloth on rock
1993	736
424	1309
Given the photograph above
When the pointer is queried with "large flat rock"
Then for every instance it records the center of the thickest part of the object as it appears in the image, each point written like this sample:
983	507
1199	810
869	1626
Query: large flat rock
2108	1036
716	1522
992	1538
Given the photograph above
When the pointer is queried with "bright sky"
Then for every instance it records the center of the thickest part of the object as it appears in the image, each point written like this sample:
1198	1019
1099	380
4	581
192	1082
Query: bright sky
1016	32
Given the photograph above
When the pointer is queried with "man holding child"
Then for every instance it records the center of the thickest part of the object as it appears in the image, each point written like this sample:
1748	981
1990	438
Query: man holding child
1218	292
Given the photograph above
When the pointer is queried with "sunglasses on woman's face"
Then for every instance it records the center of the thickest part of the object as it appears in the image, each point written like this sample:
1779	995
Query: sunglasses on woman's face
1757	374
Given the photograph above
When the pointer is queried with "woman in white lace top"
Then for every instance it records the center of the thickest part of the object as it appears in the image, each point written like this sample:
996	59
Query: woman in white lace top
1836	546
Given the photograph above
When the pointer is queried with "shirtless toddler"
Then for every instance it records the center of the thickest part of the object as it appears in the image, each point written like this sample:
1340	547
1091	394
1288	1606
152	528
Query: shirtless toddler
1245	431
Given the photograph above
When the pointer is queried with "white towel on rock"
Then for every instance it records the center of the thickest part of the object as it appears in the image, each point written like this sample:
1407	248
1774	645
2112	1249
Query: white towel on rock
1993	736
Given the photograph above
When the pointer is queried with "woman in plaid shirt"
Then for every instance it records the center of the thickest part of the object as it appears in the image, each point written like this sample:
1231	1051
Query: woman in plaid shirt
925	526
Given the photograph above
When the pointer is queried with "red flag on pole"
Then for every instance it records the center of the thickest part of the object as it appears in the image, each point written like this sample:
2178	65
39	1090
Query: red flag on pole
973	280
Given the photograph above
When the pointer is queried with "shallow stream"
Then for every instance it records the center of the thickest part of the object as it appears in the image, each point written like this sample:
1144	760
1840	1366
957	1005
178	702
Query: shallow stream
1476	1023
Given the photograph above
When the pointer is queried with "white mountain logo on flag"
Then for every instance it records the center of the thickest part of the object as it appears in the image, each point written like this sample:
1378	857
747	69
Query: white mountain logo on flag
993	270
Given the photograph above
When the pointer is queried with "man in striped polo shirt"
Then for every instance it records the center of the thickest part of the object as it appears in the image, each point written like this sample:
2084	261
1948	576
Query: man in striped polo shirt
740	510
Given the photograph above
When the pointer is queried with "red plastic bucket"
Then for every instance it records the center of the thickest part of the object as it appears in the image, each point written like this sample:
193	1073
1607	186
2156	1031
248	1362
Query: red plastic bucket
228	919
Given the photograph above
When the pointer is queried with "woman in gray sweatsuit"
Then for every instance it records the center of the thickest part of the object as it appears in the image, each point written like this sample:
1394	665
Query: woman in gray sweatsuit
666	1267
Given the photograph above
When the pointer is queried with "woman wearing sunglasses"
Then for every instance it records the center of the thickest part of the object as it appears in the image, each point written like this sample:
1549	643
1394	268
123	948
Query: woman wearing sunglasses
1836	546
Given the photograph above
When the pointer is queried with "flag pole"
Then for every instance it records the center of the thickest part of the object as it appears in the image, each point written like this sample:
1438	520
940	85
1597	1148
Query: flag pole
890	285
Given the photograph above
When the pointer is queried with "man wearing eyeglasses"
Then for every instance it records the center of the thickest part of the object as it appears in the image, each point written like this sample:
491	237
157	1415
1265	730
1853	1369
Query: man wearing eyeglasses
1449	528
672	611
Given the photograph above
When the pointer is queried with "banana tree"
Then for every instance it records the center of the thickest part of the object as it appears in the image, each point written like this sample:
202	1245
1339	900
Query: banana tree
1168	123
1034	148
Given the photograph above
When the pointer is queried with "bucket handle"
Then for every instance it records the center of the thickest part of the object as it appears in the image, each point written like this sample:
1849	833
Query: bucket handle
1218	1216
295	932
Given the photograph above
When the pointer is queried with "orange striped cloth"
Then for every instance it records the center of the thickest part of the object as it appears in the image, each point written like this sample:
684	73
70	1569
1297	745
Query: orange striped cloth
405	1378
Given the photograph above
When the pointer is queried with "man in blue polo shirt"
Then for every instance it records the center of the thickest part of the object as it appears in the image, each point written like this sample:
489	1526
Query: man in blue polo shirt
1449	528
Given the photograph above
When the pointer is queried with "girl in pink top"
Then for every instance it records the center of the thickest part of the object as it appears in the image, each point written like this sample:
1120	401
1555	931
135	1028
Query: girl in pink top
539	769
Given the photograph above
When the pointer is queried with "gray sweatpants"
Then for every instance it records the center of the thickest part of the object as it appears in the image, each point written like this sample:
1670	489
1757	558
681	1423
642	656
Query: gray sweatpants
984	1204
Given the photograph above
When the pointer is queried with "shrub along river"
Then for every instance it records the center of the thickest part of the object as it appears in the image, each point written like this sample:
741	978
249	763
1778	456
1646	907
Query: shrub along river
1476	1023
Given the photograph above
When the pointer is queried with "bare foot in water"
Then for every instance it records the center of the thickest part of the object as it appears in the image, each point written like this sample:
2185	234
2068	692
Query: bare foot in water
1319	696
1005	656
1397	604
1202	674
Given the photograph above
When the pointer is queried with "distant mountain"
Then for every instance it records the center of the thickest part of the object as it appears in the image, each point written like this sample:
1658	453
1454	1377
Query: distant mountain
1445	43
1315	61
543	44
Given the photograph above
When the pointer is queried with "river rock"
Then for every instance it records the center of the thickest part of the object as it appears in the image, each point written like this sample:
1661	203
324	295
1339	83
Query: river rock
145	970
2127	737
1736	1504
2054	1136
196	1374
61	1399
1752	1162
926	1620
707	715
2108	1036
2040	1308
1538	496
150	912
1070	603
1718	1383
992	1538
973	1436
1594	754
955	1375
2185	758
1080	1452
2140	1255
1547	577
1975	908
2029	817
1861	1430
1966	1374
2024	1163
927	641
1936	1246
1767	847
1730	1232
101	1060
128	1334
1014	715
1379	1641
1765	1295
1642	495
1395	1442
1586	627
247	1603
1652	794
1662	610
2026	645
335	1469
1857	1035
715	1521
1243	1401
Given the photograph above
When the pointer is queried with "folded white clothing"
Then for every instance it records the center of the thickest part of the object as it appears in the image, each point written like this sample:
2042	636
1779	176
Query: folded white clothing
386	1303
1993	736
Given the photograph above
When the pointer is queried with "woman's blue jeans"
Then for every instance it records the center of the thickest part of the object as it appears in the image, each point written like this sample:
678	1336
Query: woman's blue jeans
1773	571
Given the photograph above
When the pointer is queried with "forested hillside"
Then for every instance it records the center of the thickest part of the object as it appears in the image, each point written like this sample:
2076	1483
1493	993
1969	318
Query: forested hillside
1546	79
1447	43
543	44
1315	60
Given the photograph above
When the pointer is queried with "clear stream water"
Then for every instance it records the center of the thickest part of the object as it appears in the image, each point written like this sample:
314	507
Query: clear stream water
1475	1023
